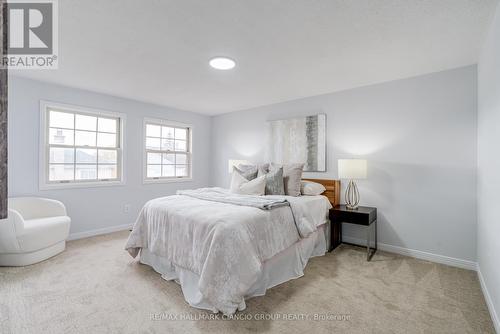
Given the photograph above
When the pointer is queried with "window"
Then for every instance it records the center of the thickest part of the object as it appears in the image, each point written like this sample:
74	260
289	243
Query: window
167	153
80	147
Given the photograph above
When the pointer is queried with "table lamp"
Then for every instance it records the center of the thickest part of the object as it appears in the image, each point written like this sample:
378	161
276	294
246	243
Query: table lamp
352	169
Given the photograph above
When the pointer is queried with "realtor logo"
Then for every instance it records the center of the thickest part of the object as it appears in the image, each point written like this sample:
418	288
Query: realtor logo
32	35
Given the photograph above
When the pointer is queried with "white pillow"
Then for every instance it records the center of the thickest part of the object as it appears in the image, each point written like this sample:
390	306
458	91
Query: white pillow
240	185
311	188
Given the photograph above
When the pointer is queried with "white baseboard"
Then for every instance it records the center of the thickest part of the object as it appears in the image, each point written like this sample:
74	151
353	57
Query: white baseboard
106	230
489	301
451	261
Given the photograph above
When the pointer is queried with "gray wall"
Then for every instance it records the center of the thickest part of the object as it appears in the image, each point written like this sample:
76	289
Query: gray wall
419	136
102	207
488	244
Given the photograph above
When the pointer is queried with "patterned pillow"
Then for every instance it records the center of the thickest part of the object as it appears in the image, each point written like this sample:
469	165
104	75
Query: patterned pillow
247	171
292	175
274	180
264	167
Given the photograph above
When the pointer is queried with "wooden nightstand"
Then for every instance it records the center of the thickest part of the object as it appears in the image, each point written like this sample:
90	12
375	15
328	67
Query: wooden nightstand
364	215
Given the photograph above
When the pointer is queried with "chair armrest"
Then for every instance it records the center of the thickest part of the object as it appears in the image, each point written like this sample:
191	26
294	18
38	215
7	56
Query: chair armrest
10	228
34	207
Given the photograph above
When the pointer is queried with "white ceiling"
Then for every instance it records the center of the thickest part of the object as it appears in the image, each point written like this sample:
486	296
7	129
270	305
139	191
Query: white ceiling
158	51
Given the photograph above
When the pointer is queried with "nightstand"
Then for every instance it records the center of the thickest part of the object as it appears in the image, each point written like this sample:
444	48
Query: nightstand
364	215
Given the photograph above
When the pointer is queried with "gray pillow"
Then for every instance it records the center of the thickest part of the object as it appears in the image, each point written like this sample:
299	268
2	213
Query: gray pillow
274	180
247	171
264	167
292	175
251	169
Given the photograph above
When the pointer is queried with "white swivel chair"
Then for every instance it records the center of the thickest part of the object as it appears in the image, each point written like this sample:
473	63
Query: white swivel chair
35	230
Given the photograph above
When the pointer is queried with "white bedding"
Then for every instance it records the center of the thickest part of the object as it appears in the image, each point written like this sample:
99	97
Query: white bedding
225	245
281	268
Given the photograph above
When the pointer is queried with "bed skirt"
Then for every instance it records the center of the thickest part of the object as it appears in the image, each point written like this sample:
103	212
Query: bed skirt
285	266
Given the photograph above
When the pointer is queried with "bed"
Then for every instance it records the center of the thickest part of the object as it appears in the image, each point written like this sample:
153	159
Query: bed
224	248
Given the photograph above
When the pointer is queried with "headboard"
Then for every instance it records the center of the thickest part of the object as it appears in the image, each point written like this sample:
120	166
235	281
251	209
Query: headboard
332	189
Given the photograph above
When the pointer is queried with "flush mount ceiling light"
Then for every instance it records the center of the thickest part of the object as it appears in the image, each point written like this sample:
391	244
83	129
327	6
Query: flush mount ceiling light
222	63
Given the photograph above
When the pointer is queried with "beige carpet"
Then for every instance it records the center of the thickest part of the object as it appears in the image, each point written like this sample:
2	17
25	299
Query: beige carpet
96	287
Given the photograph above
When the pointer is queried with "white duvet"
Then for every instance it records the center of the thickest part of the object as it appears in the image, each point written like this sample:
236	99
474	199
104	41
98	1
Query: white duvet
225	244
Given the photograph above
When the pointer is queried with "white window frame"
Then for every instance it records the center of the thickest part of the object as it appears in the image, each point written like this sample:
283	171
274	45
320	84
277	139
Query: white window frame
164	122
44	151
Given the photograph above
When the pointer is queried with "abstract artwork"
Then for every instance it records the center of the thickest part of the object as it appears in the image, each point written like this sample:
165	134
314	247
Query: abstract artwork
300	140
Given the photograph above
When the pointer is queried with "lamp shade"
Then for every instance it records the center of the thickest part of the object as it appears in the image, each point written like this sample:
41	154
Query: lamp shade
352	169
235	163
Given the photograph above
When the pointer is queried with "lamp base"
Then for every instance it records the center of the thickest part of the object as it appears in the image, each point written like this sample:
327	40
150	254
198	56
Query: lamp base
352	196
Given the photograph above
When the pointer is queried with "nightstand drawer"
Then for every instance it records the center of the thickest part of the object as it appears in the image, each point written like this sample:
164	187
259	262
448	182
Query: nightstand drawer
362	216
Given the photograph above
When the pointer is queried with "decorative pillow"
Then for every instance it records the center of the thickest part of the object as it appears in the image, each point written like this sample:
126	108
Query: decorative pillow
240	185
274	180
264	167
311	188
292	175
252	168
247	171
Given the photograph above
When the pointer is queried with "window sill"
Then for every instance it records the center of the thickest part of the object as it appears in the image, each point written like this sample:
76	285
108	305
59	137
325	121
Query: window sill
155	181
61	186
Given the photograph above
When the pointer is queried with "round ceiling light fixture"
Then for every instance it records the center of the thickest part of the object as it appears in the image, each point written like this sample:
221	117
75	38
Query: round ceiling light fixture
222	63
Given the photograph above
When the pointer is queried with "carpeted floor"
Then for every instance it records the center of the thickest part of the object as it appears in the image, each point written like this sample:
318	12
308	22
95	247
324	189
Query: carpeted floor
96	287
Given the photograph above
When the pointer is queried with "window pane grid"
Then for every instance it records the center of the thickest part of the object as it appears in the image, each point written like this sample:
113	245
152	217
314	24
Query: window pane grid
63	128
86	163
81	163
167	151
163	144
165	169
81	130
